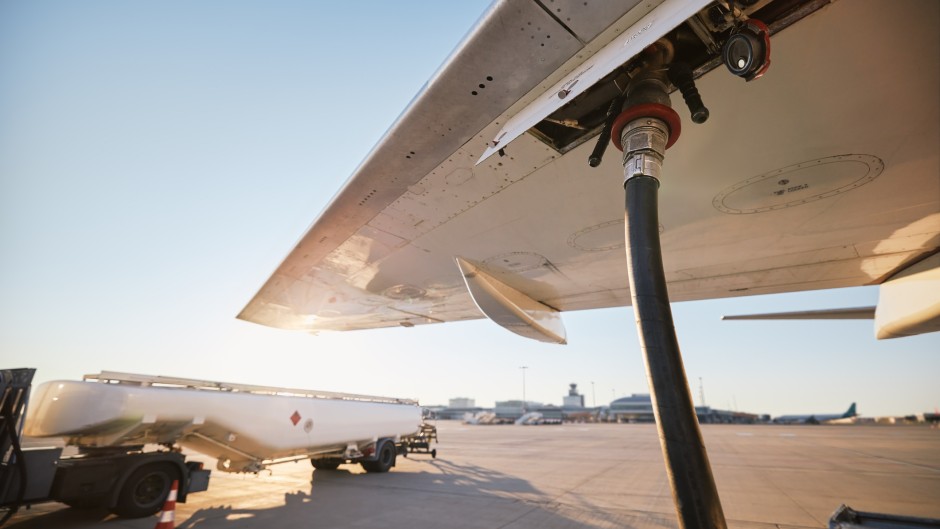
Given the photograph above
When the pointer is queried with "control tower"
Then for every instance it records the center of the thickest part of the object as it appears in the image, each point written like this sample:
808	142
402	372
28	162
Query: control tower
573	399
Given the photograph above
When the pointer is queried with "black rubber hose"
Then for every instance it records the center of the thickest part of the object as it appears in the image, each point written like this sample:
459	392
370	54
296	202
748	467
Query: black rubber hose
696	496
597	155
680	74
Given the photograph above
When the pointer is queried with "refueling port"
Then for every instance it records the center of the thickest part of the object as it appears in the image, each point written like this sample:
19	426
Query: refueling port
735	33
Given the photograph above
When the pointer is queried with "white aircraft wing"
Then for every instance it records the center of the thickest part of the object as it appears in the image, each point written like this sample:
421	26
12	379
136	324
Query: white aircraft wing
823	173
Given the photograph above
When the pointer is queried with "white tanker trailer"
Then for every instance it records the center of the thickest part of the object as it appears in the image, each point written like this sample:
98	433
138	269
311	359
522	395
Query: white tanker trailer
246	427
110	417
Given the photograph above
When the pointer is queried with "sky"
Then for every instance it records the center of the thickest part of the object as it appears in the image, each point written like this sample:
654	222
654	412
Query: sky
159	159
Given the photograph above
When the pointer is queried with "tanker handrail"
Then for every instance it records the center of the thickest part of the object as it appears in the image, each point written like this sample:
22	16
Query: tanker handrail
114	377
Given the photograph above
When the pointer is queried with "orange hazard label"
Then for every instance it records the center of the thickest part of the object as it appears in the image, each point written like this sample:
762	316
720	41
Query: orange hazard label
295	418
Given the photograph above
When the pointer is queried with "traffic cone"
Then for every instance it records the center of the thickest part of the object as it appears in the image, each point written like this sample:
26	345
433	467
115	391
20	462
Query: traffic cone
169	509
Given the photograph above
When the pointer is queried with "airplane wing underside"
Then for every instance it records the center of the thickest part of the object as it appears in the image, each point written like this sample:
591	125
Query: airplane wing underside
823	173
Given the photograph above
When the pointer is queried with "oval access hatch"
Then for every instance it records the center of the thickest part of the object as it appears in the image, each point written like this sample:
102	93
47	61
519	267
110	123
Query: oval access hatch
600	237
799	183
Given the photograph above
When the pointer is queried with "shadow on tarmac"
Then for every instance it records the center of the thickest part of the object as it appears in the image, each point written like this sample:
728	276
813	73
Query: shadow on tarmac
445	495
429	494
60	519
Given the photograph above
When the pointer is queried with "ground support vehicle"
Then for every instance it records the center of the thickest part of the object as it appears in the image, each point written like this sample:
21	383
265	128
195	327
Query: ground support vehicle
420	443
109	418
846	517
126	479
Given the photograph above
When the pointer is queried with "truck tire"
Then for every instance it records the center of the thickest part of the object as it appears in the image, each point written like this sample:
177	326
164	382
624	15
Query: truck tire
325	464
384	461
145	491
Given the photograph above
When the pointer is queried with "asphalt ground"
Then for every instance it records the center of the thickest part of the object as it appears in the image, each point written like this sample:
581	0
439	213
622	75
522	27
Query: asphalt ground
566	476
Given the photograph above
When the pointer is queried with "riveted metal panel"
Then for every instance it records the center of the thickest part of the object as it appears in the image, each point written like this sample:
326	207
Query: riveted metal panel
473	87
586	19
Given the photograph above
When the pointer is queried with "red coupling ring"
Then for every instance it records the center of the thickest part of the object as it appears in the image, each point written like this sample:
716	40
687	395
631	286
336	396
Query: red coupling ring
764	32
648	110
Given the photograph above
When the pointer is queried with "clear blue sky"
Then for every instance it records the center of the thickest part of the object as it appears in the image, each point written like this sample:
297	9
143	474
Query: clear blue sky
159	159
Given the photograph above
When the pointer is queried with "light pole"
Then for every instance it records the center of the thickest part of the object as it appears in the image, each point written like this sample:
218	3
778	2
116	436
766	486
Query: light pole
593	396
523	368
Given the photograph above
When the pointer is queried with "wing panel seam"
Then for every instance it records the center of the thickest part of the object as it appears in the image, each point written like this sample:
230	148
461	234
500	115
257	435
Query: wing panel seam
560	23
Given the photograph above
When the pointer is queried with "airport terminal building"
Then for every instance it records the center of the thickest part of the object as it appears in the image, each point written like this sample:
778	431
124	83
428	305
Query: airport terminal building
635	408
639	408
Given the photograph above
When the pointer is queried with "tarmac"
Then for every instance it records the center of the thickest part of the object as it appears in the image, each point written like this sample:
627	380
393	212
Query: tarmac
568	476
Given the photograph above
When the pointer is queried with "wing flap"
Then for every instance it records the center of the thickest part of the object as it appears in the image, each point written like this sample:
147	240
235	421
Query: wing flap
855	313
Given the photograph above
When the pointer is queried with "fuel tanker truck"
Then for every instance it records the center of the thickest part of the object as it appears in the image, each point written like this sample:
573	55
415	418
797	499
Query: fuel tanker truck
126	434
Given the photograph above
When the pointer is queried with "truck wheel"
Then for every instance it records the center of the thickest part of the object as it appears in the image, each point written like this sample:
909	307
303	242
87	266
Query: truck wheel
145	491
325	464
384	461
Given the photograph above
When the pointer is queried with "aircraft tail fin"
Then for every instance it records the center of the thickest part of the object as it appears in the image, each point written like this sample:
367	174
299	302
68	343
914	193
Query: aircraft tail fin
850	412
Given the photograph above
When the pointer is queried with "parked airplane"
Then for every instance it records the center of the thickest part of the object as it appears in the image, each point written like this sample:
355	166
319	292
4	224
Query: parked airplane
818	418
491	195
